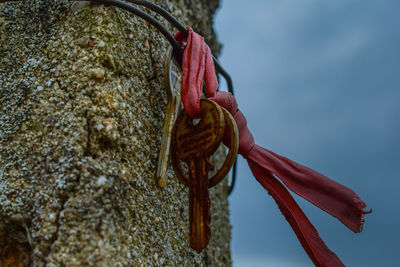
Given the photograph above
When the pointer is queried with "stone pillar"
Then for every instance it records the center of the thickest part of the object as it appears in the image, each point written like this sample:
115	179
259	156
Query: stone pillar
82	103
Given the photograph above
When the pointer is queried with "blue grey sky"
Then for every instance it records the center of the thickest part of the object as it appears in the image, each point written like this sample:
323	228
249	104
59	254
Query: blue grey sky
319	82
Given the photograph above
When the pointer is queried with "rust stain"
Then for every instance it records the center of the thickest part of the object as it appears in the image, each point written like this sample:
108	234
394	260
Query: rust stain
13	254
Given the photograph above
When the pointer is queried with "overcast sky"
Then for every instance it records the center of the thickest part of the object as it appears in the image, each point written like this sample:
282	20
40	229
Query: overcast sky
319	82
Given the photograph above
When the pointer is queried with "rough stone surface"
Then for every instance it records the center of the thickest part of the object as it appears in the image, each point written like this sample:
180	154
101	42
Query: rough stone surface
82	106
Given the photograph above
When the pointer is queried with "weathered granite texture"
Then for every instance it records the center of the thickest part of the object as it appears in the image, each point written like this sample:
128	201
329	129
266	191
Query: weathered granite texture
82	103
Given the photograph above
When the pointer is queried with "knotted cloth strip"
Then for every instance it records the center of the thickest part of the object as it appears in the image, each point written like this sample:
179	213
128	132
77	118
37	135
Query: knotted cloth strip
332	197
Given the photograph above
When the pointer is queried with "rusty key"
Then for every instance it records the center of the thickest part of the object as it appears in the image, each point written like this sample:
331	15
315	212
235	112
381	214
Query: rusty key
194	144
172	74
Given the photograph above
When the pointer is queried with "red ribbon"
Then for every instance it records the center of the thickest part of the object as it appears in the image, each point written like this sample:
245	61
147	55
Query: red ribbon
332	197
197	65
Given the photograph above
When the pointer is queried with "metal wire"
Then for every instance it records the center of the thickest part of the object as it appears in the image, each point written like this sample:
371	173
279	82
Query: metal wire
140	13
170	38
171	19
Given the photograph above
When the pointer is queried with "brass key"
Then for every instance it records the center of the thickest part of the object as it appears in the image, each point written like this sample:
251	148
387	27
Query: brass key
172	74
194	145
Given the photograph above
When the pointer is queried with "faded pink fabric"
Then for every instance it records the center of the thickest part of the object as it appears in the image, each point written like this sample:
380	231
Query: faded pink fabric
332	197
197	65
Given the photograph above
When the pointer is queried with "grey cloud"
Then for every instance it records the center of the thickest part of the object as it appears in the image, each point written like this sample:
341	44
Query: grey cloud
319	82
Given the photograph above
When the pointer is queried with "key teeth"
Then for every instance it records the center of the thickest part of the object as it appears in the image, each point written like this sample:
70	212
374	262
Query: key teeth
200	244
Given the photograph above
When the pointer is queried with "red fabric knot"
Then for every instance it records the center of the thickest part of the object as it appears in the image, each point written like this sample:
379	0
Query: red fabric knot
332	197
197	65
246	140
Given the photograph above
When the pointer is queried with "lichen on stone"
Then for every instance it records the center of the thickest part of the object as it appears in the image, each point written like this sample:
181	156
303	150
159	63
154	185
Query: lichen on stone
82	108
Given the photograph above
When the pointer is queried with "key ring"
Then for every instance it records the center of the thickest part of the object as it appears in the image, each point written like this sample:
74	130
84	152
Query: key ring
233	143
177	50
